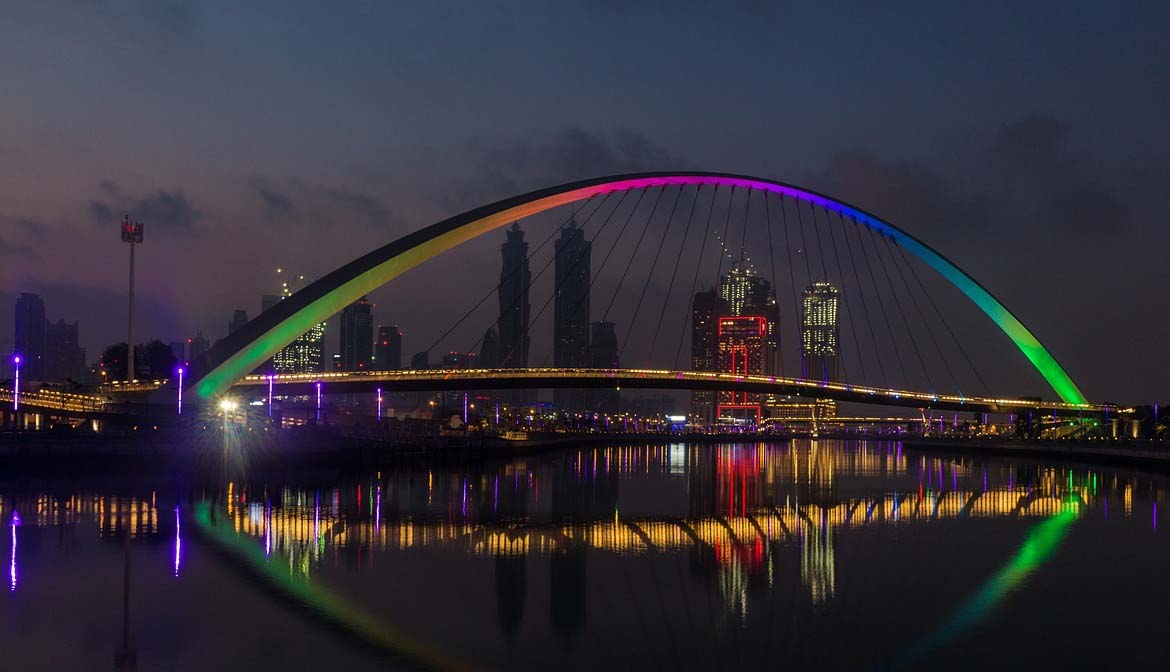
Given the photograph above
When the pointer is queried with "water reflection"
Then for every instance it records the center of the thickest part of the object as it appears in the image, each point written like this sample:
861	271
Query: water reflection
620	555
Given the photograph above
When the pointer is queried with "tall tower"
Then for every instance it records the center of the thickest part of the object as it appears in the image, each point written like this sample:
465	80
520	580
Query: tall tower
571	308
388	352
29	336
705	310
745	338
603	354
306	354
514	307
818	332
357	336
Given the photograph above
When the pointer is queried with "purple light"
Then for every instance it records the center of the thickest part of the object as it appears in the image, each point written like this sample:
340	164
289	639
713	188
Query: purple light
318	400
16	388
180	392
178	539
465	408
12	563
379	403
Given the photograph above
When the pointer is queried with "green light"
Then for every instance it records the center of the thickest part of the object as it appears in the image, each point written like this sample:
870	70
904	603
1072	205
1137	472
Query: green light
1041	542
324	603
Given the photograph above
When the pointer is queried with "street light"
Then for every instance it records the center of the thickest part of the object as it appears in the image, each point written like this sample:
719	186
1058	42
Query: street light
16	391
181	370
131	233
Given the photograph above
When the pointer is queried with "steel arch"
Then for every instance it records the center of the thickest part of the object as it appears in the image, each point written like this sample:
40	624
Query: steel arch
259	339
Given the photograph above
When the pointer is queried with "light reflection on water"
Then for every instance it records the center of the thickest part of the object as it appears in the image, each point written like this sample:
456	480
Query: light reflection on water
681	556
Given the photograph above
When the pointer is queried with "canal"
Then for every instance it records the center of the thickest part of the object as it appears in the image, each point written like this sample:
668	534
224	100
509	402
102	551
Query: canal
829	555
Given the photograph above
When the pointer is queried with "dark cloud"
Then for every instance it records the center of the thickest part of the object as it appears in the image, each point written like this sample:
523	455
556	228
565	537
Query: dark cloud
167	209
502	168
276	205
295	201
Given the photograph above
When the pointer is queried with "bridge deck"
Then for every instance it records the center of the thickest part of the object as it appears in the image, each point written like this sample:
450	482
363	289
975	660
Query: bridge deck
500	379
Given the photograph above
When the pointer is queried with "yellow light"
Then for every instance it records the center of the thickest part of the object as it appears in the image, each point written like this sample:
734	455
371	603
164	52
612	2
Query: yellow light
227	405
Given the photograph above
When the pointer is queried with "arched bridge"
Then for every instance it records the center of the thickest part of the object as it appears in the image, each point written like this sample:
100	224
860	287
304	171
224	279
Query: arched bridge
875	293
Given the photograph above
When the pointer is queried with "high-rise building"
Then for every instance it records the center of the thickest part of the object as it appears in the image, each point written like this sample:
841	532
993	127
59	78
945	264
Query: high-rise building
388	352
29	336
571	309
705	310
64	357
819	338
514	307
734	330
603	354
742	350
357	336
489	351
306	354
239	319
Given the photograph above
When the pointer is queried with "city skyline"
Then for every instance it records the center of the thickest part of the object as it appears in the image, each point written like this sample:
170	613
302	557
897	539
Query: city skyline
1041	158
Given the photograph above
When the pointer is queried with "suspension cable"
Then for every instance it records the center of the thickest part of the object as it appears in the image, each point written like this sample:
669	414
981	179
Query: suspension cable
517	267
898	304
633	255
943	319
921	316
723	241
695	279
653	265
792	280
846	305
881	306
589	288
548	264
775	286
812	208
673	273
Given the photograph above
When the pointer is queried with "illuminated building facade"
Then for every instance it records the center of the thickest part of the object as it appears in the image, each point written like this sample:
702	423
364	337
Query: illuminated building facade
742	350
819	337
306	354
734	330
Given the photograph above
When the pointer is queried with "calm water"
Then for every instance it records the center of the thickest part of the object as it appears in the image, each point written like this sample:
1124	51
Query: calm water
828	555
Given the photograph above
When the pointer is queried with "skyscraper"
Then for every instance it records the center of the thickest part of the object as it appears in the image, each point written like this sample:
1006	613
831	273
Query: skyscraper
705	310
64	357
357	336
239	319
603	354
734	330
306	354
29	335
489	351
388	352
571	308
514	307
818	332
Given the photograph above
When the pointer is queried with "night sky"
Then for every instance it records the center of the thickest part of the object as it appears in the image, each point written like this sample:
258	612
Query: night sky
1028	142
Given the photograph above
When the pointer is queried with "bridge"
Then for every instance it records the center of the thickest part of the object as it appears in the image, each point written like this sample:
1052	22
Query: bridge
862	319
554	378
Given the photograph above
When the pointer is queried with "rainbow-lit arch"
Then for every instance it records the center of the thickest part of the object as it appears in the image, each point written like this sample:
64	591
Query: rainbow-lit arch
255	342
